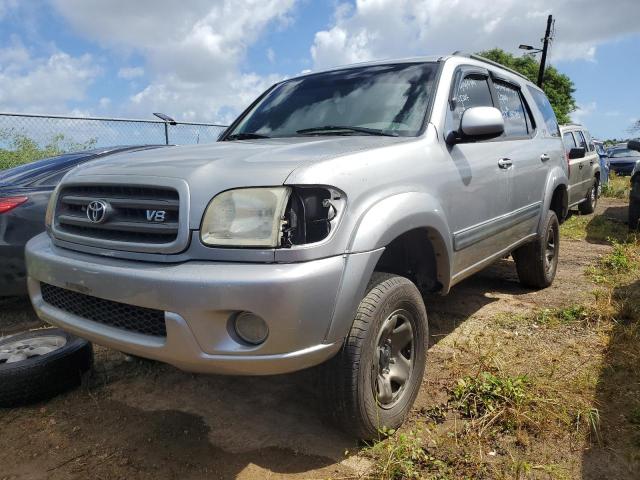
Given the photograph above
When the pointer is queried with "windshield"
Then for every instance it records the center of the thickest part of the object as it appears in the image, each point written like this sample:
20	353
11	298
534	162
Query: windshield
379	99
624	152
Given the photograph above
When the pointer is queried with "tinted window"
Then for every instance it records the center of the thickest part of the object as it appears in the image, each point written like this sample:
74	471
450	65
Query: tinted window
515	123
472	91
600	150
569	141
386	97
589	141
547	111
581	140
624	152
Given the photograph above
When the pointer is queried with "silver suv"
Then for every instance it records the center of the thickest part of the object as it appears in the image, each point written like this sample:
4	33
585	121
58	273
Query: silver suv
308	233
583	164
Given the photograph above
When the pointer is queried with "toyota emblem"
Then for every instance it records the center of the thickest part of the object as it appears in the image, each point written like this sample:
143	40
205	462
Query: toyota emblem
97	211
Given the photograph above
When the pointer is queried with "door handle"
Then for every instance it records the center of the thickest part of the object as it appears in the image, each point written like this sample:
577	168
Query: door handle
505	163
580	166
544	157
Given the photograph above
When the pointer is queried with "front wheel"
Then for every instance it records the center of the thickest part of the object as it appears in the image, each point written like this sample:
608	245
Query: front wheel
537	262
371	384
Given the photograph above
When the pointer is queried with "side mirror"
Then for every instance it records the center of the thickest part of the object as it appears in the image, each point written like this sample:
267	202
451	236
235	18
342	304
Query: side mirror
478	123
634	145
576	152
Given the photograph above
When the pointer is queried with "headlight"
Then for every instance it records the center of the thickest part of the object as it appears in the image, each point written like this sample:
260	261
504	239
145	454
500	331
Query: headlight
250	217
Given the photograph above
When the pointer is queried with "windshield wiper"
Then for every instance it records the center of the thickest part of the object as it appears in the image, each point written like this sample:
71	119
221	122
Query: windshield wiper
333	129
246	136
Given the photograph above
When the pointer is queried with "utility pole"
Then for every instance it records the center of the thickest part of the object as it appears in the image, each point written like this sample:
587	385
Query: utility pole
545	48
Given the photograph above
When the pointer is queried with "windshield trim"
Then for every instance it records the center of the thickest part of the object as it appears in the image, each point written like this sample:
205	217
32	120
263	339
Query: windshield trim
425	121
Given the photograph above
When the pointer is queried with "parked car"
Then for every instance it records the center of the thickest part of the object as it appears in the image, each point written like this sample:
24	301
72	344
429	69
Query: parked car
604	162
634	195
623	159
24	194
584	167
308	233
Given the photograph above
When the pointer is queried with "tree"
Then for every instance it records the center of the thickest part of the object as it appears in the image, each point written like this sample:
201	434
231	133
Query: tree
558	87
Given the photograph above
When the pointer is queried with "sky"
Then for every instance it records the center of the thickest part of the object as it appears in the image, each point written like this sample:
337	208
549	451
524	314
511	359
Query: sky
206	60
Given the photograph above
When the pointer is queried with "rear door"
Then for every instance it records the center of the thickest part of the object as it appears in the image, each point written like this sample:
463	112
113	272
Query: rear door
575	179
528	170
585	165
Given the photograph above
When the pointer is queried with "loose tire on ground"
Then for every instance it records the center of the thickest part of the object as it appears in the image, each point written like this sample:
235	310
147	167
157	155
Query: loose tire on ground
362	386
537	262
589	205
40	364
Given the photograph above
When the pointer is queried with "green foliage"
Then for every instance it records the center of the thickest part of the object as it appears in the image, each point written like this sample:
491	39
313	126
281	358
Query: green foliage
618	260
486	394
17	148
398	457
558	87
617	187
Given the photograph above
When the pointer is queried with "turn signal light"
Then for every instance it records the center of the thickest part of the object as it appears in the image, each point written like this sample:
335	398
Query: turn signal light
9	203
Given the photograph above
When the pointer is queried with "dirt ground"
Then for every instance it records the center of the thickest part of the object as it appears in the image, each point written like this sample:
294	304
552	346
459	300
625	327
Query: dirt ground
136	419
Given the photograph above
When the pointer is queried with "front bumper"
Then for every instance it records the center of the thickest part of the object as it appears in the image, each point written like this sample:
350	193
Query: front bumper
199	298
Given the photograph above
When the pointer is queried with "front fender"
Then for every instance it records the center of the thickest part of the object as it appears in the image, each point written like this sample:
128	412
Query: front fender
378	227
391	217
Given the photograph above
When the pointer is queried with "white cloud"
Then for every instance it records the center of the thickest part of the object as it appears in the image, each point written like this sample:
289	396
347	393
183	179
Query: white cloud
104	102
271	55
395	28
42	84
130	72
583	111
194	57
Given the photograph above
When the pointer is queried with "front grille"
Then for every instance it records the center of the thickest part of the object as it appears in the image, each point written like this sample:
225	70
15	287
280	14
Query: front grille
146	321
134	214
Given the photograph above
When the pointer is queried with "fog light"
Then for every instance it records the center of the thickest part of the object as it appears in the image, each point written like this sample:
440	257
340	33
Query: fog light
251	328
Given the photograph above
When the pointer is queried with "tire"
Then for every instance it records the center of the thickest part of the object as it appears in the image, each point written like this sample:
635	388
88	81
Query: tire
589	205
634	214
59	366
537	262
348	380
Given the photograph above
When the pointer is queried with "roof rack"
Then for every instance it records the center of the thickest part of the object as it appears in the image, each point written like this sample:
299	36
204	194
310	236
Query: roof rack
480	58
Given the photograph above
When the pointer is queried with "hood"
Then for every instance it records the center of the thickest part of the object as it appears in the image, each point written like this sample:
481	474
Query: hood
213	168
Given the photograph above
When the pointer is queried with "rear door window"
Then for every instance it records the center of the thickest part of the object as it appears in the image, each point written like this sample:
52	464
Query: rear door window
580	140
513	111
569	141
545	108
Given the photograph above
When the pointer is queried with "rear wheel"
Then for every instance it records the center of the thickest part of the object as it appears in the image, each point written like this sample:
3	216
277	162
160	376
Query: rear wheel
373	381
537	262
634	214
589	205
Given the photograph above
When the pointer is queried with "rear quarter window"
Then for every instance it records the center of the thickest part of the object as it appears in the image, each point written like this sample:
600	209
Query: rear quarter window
542	102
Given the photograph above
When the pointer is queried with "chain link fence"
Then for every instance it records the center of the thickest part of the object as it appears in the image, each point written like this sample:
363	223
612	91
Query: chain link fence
102	132
26	137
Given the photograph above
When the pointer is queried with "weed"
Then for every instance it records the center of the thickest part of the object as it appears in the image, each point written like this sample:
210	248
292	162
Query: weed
488	398
617	260
398	457
617	187
589	417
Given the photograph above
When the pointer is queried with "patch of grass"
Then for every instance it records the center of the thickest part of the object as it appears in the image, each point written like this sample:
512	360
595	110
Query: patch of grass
490	399
594	228
618	187
401	456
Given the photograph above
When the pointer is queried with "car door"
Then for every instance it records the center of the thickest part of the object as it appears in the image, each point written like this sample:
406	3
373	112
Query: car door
474	188
528	169
591	160
574	192
584	165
